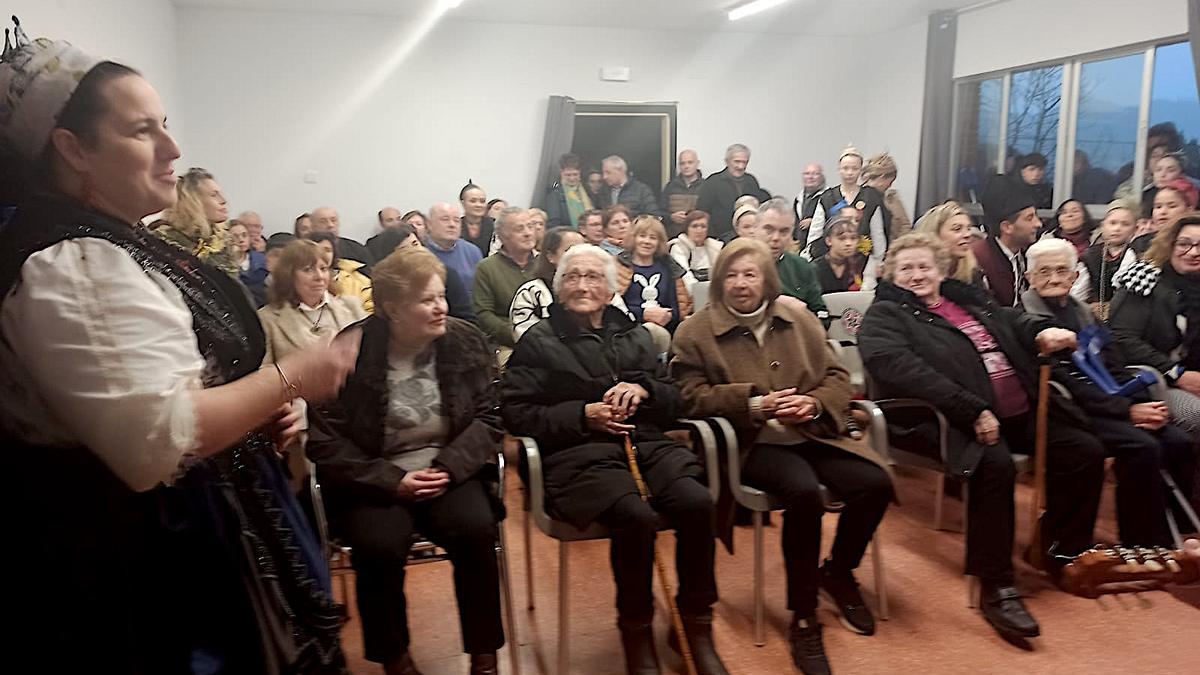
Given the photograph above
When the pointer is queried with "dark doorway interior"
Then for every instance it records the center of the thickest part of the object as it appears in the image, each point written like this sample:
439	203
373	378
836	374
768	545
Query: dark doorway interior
642	133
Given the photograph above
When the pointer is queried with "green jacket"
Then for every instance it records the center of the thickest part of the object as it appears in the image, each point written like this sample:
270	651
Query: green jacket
497	279
798	278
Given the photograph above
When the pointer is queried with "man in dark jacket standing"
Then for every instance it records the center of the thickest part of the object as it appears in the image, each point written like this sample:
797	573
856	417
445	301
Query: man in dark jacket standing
581	382
720	190
1012	225
681	194
619	188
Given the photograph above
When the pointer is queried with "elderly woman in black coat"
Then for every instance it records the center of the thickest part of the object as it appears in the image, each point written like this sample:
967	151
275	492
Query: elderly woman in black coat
411	444
951	345
582	381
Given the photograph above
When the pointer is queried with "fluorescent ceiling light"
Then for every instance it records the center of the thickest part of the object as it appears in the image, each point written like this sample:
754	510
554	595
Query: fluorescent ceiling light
751	8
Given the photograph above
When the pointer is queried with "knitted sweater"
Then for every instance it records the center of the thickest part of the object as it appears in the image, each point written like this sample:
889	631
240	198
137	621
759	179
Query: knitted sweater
497	279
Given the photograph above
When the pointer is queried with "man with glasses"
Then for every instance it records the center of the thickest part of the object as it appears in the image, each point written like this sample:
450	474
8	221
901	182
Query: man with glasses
1133	430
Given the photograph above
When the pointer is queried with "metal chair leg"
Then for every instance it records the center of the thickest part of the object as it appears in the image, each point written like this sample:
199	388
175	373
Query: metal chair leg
881	595
528	560
563	614
759	638
939	496
973	589
506	589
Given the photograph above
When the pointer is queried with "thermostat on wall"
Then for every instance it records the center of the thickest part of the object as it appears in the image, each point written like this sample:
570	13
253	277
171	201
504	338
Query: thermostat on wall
615	73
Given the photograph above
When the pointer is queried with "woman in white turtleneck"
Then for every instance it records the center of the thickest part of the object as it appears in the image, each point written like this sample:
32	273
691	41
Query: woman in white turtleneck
765	366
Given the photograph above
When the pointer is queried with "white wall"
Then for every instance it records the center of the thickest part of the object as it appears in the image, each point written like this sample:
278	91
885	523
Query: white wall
138	33
895	104
1020	32
270	95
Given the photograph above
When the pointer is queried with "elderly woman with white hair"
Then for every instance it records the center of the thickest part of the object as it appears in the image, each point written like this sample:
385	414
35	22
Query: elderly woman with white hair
1135	430
581	382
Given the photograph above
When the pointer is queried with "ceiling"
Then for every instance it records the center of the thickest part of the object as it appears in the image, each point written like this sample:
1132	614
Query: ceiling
798	17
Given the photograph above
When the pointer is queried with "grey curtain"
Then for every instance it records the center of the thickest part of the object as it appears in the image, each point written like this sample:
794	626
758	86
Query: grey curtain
1194	34
933	175
560	133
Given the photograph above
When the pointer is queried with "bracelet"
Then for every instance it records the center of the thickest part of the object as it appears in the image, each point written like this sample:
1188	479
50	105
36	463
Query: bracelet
292	390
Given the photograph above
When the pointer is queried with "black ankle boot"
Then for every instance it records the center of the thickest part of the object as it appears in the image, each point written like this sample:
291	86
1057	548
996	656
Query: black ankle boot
699	637
808	649
484	664
638	642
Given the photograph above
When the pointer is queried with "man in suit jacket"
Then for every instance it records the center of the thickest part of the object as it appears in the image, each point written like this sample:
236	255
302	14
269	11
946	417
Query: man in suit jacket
1012	223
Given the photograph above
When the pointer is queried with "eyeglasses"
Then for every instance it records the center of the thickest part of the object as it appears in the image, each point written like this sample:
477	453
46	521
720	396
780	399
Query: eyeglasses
1063	272
1183	246
591	278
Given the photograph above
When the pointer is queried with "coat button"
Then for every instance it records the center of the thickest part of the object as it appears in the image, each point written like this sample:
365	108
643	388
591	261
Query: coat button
775	365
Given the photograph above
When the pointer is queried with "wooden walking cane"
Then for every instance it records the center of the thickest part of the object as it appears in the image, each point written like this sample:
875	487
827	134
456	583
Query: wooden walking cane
685	649
1036	551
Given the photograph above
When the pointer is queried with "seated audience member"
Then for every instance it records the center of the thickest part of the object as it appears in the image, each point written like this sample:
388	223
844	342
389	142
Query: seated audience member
494	207
694	250
1092	184
880	173
680	194
1012	226
651	282
531	303
792	436
1164	171
410	445
347	277
405	237
445	241
841	268
302	227
302	310
325	219
616	223
951	345
478	225
1104	260
417	221
254	226
197	221
537	220
1156	315
568	199
1031	172
594	181
1073	223
580	383
797	277
805	204
252	265
389	219
1134	430
591	227
1171	201
621	189
745	224
950	224
275	245
499	276
850	193
720	190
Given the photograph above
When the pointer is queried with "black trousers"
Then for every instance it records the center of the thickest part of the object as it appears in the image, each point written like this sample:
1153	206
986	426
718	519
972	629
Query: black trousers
463	522
687	507
792	474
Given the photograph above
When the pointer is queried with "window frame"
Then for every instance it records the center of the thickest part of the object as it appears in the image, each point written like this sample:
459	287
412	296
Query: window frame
1072	73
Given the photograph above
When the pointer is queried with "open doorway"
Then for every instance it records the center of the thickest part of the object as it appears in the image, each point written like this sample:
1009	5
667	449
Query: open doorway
641	133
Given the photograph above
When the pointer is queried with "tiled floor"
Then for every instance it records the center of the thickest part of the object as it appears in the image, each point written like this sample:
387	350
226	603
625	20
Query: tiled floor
931	629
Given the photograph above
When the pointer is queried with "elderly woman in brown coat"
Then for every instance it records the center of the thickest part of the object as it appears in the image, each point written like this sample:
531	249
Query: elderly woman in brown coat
766	366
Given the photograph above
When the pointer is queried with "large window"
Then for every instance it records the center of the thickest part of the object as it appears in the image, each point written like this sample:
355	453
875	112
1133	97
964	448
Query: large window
1099	121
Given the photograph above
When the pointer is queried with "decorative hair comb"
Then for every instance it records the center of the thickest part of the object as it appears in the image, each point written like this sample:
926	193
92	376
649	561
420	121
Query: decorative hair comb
19	39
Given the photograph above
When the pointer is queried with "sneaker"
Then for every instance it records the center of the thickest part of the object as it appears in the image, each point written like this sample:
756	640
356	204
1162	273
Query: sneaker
808	649
840	589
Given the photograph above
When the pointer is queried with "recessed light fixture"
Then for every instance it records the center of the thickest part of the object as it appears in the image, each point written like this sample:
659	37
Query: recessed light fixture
752	8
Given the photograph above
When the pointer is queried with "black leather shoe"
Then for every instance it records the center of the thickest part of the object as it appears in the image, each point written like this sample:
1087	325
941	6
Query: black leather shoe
808	649
699	637
640	657
1002	607
401	666
484	664
840	588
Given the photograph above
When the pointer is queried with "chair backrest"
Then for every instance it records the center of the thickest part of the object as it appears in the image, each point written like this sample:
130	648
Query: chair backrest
700	294
846	311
